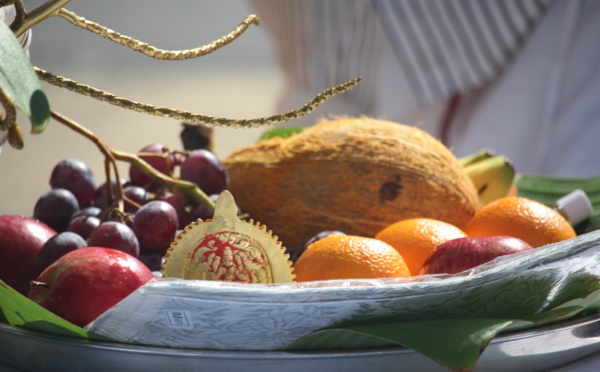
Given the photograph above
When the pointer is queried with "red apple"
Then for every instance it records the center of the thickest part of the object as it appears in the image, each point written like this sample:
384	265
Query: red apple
462	254
21	239
86	282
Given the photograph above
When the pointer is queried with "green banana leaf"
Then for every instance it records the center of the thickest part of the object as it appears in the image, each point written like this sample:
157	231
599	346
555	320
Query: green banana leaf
280	132
20	83
453	343
457	342
547	190
17	310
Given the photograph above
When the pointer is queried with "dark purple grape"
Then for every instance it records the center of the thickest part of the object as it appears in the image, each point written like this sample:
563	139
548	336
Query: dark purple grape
164	164
200	213
138	195
151	258
184	215
88	211
101	196
56	208
295	254
200	210
57	246
204	169
155	225
75	176
115	235
83	225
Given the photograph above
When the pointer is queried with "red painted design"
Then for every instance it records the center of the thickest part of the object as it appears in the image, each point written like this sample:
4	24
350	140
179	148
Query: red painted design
230	256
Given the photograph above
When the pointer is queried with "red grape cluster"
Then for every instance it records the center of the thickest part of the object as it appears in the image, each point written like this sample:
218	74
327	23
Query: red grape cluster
149	217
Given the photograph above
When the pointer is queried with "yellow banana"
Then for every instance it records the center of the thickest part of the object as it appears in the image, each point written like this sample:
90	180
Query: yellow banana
492	177
475	157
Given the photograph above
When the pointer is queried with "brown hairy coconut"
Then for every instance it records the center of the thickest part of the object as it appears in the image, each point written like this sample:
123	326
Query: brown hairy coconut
356	175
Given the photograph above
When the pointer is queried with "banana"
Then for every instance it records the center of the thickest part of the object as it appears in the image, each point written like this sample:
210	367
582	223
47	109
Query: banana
492	176
475	157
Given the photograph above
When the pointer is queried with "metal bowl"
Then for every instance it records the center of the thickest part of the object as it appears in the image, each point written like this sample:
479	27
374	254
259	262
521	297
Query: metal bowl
534	350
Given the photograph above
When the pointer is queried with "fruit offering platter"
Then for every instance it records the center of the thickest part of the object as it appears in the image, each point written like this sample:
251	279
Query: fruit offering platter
515	310
353	244
189	316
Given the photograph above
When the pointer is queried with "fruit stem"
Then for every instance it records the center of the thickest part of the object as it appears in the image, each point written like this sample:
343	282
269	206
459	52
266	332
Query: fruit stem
164	156
189	189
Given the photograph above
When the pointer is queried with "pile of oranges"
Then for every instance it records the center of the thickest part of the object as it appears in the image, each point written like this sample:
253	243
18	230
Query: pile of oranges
400	249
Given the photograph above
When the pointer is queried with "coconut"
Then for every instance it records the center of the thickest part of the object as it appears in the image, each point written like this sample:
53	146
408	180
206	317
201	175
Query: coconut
356	175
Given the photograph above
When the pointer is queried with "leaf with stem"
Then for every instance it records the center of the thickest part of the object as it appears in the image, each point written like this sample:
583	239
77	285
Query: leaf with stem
19	85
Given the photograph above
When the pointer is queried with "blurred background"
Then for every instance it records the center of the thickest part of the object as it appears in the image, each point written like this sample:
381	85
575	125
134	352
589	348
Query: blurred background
240	80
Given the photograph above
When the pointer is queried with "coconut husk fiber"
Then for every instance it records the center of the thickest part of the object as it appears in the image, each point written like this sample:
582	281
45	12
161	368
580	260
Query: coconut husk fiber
356	175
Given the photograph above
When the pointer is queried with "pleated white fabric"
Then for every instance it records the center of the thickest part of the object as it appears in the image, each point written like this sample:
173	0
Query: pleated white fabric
444	47
322	43
448	47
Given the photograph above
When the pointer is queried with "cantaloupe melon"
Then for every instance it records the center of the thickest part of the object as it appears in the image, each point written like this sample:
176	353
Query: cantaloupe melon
356	175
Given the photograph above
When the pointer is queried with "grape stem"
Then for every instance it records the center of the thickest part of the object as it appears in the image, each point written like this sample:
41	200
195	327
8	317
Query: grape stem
189	189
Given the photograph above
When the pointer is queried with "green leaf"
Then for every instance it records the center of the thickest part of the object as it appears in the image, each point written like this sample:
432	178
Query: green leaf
547	190
549	316
19	311
589	304
579	289
20	83
453	343
3	318
280	132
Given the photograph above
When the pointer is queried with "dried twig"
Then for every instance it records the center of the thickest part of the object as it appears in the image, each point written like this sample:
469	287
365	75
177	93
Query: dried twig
154	52
190	117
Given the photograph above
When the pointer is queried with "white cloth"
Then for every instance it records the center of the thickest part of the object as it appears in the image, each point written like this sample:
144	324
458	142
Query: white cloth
446	47
542	110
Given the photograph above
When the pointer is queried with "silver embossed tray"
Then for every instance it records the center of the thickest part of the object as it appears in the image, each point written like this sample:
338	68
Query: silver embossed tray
540	349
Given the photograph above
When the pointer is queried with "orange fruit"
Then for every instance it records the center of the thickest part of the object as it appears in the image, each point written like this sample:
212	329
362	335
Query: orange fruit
416	238
523	218
349	257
